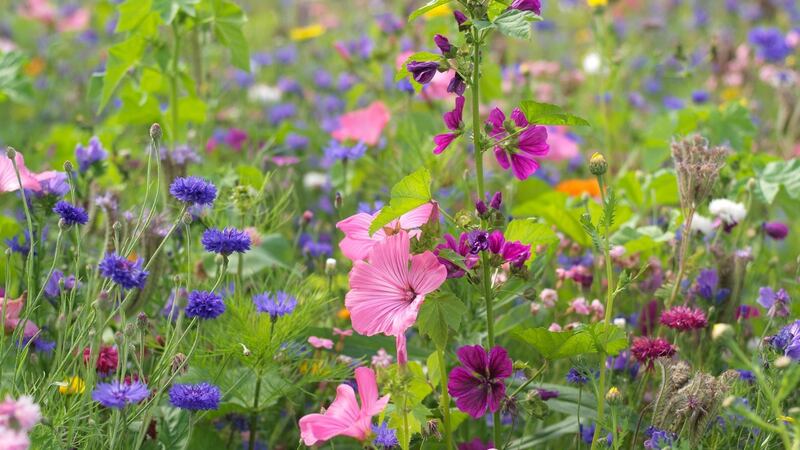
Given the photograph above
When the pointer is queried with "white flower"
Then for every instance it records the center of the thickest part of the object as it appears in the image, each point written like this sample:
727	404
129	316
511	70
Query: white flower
728	211
262	93
702	224
314	180
620	322
592	63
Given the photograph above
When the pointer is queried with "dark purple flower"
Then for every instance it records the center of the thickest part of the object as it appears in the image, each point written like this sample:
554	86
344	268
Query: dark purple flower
460	248
118	395
746	376
545	394
460	17
706	286
422	71
457	85
517	152
776	230
478	241
575	376
775	302
527	5
205	305
193	191
226	241
122	271
496	201
71	214
235	138
477	385
623	362
195	397
443	43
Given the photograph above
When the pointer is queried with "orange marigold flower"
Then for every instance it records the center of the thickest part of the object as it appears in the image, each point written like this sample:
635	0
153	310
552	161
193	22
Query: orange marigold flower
575	187
343	314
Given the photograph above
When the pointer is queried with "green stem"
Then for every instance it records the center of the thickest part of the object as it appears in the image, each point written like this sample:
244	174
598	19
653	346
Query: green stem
254	415
173	94
32	241
476	116
444	403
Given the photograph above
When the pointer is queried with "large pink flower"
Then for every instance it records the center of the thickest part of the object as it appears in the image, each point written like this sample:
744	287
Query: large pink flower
344	417
357	242
364	124
562	145
8	178
11	312
386	293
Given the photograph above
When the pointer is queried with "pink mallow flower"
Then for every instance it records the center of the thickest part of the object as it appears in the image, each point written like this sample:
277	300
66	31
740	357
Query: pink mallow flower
386	293
318	342
11	310
453	120
563	147
8	177
344	417
517	142
579	306
364	125
357	242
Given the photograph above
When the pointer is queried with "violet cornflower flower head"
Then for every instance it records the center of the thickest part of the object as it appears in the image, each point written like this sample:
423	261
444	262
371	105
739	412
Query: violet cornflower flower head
225	241
622	363
53	287
443	43
337	151
684	318
384	436
527	5
706	286
646	350
517	142
658	439
453	120
89	155
770	44
122	271
195	397
276	305
118	394
205	305
53	183
193	191
774	302
576	376
477	385
422	71
71	214
788	340
776	230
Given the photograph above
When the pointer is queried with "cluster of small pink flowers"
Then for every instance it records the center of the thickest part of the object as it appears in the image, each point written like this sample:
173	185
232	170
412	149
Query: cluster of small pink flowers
17	417
684	318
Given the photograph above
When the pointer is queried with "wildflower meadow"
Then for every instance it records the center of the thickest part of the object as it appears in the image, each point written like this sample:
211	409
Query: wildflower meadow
400	224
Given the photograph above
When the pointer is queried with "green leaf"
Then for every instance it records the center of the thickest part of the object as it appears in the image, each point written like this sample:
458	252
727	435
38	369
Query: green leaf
173	431
132	13
531	233
777	175
168	9
228	22
516	23
121	58
547	114
411	192
432	4
594	338
13	82
438	314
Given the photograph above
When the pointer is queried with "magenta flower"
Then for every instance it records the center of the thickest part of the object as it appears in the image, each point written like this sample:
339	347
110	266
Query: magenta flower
684	318
776	230
443	43
514	252
517	142
453	120
462	247
477	385
363	125
527	5
646	350
386	293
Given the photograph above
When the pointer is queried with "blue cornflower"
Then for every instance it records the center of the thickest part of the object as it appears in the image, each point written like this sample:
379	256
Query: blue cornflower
706	286
587	435
575	376
193	190
277	305
673	103
747	376
338	151
71	214
282	112
770	44
384	436
20	244
658	438
53	289
788	340
296	142
195	397
87	156
225	241
205	305
122	271
117	395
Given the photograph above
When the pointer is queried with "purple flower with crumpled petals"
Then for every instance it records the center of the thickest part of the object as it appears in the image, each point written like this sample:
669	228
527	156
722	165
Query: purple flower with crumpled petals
477	385
706	286
478	241
788	340
774	302
461	248
422	71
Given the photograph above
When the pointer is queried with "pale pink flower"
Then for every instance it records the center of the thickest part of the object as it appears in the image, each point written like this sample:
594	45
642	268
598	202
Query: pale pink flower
8	178
344	417
617	251
11	310
343	333
437	88
318	342
535	307
11	439
386	293
382	358
554	327
255	236
562	145
549	297
579	306
357	242
22	412
77	20
597	308
364	124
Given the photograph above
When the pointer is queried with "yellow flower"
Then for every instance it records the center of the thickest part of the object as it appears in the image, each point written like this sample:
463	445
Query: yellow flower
786	419
343	314
613	394
596	3
306	33
72	385
439	11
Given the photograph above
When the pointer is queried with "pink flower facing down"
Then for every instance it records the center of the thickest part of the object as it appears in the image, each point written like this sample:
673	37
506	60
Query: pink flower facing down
516	149
344	417
453	120
8	177
684	318
357	242
386	293
365	125
318	342
12	310
477	385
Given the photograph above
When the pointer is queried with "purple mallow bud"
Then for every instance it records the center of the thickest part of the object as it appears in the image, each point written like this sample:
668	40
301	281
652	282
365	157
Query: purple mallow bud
496	201
422	71
527	5
443	43
776	230
461	18
481	208
457	85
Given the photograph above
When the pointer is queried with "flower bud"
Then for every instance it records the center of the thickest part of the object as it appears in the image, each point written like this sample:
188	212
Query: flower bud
330	266
598	164
155	132
496	201
721	331
431	429
11	153
141	321
308	216
613	395
481	208
68	166
179	364
245	351
337	201
783	362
